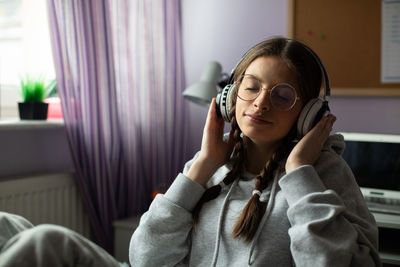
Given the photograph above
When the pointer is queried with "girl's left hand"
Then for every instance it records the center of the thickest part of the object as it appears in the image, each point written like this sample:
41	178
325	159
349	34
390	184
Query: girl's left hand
307	151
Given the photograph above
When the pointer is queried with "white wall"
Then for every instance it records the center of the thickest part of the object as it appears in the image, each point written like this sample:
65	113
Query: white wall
223	30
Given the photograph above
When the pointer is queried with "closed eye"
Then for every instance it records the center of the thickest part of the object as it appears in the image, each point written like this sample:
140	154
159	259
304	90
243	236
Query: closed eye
252	89
282	98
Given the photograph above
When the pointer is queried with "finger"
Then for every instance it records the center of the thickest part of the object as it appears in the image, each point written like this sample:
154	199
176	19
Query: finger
212	112
326	122
321	131
211	115
211	109
330	120
212	105
214	124
319	127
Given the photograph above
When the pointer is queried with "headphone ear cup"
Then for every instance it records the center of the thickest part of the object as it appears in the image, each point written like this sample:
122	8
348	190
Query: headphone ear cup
224	102
310	115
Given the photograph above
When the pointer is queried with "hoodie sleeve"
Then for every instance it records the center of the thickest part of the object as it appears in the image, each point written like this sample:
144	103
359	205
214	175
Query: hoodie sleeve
330	222
163	235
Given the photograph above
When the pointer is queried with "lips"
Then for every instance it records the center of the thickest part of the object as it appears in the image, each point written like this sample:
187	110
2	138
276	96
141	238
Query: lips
257	119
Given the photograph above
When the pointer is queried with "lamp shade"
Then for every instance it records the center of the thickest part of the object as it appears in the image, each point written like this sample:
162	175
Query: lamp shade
203	91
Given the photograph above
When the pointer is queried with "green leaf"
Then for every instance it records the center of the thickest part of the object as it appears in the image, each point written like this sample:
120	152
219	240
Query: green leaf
33	89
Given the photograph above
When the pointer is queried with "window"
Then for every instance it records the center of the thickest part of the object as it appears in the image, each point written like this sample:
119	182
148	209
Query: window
24	49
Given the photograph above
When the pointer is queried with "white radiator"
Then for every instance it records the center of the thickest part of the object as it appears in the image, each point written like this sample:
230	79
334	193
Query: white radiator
50	198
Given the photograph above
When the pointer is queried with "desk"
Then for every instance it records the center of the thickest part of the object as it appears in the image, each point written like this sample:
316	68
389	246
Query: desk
389	237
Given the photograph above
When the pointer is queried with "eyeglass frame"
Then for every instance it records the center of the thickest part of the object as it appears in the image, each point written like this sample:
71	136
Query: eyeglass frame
240	79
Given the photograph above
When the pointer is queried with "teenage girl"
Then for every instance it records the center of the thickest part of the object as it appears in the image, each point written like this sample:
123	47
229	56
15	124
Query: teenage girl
260	197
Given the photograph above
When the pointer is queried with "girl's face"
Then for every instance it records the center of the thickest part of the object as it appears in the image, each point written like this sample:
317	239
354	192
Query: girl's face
258	119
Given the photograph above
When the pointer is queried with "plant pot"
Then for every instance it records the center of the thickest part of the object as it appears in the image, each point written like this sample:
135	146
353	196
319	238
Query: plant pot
33	110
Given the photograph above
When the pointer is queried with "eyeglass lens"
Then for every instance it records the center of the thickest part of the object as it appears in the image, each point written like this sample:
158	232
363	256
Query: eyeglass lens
282	96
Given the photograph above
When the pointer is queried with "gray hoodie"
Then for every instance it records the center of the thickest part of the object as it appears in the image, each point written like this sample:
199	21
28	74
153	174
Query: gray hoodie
316	216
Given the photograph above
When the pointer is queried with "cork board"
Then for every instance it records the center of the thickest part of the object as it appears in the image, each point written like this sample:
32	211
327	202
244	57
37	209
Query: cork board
346	34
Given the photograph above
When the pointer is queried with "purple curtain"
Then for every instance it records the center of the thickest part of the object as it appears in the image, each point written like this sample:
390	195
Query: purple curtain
120	78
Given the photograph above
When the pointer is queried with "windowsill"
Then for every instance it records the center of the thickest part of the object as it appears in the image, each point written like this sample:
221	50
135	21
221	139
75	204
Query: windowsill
17	124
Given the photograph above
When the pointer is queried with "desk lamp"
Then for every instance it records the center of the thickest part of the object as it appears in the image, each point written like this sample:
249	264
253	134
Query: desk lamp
203	91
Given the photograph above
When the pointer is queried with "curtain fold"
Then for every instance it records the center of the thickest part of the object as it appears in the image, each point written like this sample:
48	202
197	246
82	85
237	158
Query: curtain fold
120	79
150	75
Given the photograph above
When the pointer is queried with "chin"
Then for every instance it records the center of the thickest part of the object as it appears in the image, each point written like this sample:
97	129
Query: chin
259	138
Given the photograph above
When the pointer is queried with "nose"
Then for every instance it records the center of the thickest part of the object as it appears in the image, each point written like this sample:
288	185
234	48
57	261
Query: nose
262	101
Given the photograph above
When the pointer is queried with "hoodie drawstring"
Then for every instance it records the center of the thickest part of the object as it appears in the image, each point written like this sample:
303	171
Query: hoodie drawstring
264	219
221	214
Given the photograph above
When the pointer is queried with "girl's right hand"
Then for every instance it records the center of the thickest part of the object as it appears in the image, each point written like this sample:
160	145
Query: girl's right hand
214	150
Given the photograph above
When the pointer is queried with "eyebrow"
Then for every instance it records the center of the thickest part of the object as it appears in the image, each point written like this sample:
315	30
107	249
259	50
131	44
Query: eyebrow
263	82
274	83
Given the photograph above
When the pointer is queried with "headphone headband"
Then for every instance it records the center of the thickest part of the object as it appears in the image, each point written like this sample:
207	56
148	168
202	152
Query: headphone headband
327	88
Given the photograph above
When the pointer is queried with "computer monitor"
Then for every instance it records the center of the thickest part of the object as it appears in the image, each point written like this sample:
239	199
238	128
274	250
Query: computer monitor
375	161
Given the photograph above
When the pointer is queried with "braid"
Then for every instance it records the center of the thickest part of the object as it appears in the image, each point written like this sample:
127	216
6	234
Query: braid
251	216
237	166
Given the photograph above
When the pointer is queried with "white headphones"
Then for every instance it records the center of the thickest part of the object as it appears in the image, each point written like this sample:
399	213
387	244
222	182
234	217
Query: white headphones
311	113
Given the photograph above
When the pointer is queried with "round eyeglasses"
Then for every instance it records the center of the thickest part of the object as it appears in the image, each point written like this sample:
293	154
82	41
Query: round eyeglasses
282	96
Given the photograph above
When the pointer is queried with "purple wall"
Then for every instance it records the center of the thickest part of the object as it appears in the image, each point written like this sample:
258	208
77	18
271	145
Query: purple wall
223	30
367	114
33	148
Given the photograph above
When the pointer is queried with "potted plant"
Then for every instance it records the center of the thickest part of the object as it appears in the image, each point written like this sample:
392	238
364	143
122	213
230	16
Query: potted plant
33	92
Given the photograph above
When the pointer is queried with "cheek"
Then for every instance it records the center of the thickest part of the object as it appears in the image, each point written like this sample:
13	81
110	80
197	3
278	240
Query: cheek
238	109
297	110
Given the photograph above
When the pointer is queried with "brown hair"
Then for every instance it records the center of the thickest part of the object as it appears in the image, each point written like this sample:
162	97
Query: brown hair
309	77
